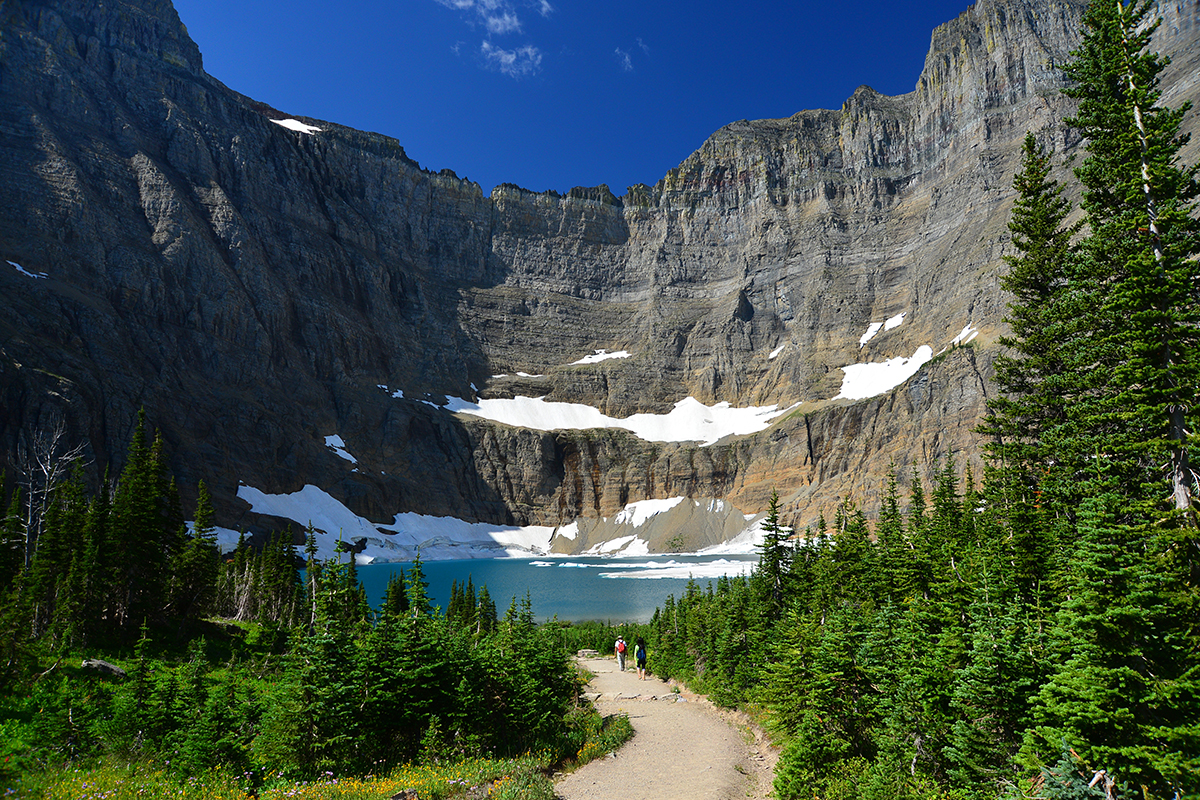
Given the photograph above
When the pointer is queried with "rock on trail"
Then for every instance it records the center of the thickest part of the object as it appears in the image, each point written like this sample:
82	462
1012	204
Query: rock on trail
683	747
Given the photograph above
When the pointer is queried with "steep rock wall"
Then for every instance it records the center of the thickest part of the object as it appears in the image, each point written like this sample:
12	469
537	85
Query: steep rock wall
253	287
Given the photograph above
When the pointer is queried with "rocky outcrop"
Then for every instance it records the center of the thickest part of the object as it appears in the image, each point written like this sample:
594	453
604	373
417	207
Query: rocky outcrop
253	286
104	668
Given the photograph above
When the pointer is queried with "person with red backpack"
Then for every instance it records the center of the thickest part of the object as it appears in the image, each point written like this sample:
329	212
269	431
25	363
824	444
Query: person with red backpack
620	648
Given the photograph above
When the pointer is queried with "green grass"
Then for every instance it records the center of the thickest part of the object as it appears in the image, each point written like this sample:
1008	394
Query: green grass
505	780
524	778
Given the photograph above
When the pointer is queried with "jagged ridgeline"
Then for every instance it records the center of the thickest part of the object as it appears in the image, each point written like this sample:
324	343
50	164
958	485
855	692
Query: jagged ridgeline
301	307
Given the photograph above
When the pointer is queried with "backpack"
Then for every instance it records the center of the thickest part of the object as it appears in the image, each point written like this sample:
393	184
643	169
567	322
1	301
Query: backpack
620	647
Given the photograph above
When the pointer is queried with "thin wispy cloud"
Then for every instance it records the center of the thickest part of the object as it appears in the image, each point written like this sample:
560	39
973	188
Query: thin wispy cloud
645	47
500	24
624	60
518	63
499	18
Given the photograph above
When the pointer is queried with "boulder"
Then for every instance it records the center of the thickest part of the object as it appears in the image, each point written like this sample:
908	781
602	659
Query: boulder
103	667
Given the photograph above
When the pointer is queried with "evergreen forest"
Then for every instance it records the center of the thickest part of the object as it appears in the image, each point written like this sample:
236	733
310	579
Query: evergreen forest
1037	635
1033	631
251	670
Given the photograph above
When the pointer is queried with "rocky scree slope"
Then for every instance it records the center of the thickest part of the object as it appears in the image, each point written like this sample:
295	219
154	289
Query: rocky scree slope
253	287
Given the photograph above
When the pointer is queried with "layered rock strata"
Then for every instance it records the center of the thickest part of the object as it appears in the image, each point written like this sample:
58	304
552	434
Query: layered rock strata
253	286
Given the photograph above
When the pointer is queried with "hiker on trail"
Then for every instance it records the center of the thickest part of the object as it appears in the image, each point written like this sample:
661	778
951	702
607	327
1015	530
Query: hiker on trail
639	653
620	648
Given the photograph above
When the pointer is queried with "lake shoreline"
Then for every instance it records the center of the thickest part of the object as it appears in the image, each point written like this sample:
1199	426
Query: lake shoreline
568	588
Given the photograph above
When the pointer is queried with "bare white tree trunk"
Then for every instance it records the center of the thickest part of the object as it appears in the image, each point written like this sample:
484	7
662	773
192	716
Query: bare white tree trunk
1178	466
46	463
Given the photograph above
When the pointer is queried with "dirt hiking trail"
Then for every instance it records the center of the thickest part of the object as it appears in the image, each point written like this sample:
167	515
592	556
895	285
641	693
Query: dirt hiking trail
683	747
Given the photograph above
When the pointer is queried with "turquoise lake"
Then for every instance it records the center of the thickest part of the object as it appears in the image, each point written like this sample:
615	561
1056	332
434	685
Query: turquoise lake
576	588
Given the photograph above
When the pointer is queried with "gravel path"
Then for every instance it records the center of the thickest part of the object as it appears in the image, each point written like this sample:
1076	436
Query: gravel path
683	747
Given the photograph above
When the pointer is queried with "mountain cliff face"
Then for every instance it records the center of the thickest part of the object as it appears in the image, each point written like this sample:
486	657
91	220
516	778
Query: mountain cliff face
257	288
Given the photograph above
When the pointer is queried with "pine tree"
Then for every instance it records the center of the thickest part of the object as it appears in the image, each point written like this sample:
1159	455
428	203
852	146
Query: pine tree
395	598
140	534
389	681
895	569
12	534
312	572
234	593
194	568
1139	262
1126	697
278	584
454	607
49	593
96	567
774	560
916	504
933	536
486	621
992	693
132	708
854	574
1122	693
1034	376
418	590
470	606
915	535
316	725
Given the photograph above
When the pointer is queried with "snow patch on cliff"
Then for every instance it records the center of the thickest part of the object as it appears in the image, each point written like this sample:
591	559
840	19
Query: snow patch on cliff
689	421
624	545
748	541
968	333
297	125
226	539
868	380
26	272
876	327
601	355
637	514
660	569
336	444
872	329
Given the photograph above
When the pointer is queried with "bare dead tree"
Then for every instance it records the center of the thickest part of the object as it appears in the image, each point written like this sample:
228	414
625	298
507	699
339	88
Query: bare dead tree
46	461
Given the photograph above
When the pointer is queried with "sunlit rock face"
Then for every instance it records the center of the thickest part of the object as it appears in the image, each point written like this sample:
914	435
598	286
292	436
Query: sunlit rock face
258	282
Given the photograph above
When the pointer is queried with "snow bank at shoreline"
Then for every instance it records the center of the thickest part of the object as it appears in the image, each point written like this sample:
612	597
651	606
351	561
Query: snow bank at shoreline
441	538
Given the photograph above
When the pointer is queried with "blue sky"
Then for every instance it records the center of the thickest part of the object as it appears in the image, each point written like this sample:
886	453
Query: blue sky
551	94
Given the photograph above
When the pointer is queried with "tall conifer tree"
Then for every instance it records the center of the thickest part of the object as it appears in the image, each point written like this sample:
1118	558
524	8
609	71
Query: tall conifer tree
775	556
12	534
195	567
1125	695
894	559
1034	374
137	534
1139	263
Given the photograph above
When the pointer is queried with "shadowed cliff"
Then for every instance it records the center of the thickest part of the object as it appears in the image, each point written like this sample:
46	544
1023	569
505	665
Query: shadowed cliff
253	287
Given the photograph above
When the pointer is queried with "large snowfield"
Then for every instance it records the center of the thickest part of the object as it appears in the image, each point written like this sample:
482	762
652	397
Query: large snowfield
689	421
449	538
441	538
